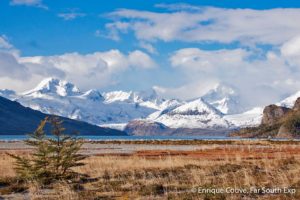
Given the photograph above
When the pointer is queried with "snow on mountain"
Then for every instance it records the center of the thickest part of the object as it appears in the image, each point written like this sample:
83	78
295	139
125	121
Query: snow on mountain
289	101
249	118
224	98
53	96
194	114
136	97
118	96
117	108
253	117
63	98
53	86
148	99
93	95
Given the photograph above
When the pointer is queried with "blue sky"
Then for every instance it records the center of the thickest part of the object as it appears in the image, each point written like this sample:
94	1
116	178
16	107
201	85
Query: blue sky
37	31
181	49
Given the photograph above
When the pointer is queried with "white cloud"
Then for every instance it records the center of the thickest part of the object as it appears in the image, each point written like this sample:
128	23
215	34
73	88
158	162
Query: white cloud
9	64
18	85
71	15
274	26
206	61
95	70
190	90
291	47
141	60
114	30
10	67
262	76
291	51
260	81
36	3
148	47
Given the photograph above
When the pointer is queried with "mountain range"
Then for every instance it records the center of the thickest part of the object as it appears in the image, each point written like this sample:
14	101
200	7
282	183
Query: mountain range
220	108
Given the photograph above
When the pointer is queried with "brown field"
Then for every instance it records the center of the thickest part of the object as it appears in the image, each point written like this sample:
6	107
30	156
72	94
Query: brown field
173	174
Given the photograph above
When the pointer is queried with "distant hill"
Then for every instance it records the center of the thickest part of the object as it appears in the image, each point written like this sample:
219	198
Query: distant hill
16	119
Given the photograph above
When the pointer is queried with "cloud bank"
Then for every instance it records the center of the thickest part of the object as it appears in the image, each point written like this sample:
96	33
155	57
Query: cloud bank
208	24
262	75
95	70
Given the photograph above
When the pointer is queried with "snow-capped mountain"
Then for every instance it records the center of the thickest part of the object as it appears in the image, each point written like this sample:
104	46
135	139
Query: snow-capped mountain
53	87
194	114
117	108
289	101
249	118
225	99
93	95
253	116
53	96
144	98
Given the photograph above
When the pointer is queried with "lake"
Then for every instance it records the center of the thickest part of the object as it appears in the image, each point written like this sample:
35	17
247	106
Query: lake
136	138
95	138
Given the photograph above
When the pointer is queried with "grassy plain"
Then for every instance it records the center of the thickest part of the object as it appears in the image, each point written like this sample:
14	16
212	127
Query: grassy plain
263	169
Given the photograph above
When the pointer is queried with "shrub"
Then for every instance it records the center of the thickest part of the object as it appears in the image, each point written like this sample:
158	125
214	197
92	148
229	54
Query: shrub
54	156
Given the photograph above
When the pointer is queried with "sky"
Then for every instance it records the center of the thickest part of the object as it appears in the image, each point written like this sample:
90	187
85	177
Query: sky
179	49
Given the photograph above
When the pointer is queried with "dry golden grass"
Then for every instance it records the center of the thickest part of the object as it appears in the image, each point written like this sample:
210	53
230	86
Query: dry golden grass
173	175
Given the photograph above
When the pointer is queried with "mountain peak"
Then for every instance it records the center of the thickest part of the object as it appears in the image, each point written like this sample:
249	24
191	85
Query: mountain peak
93	95
196	107
193	114
118	96
130	96
54	86
224	98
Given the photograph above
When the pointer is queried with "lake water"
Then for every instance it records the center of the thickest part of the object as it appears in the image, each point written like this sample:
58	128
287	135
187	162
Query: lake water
135	138
95	138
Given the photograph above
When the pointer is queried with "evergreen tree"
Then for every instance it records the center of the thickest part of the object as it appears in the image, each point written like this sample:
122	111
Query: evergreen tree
53	157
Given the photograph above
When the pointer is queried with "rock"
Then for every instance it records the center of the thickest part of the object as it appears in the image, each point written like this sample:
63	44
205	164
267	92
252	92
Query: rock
297	105
284	132
273	113
145	128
